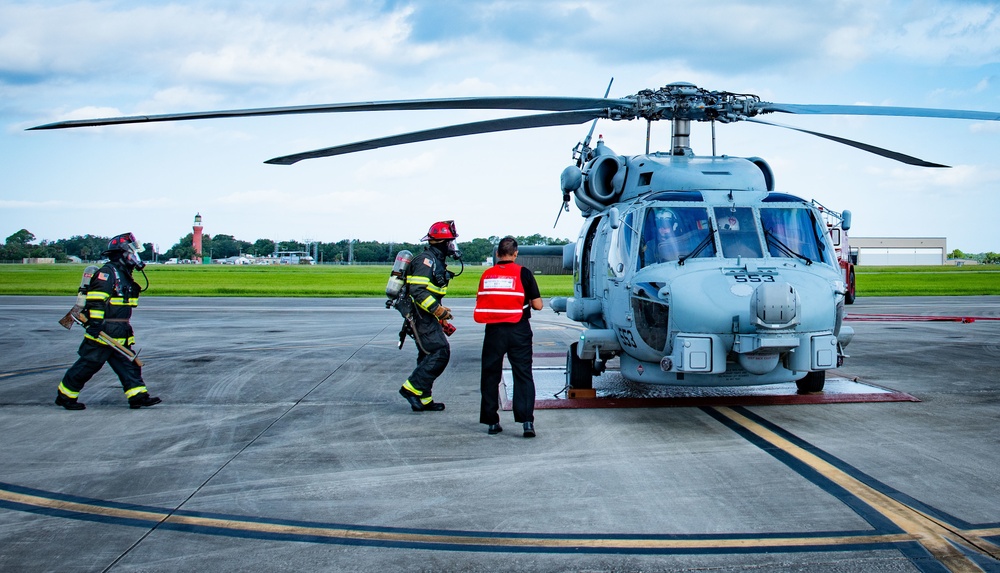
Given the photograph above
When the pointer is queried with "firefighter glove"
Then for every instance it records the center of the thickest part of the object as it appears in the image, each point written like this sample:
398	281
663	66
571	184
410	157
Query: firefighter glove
442	312
94	330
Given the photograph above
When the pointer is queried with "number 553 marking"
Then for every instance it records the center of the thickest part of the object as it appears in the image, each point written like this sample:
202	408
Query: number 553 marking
753	278
625	336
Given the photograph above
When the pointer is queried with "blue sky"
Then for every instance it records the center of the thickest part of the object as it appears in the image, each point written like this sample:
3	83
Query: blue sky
71	60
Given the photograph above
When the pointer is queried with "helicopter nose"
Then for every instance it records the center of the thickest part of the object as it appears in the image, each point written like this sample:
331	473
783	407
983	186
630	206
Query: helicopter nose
775	305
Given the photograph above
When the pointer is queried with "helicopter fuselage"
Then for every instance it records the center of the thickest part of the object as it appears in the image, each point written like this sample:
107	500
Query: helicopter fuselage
694	272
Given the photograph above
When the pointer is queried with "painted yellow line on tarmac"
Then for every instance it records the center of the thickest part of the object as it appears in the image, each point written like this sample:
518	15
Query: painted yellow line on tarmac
76	507
915	526
930	533
525	540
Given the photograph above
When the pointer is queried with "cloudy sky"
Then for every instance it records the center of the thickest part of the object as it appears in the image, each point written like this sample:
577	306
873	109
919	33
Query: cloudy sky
71	60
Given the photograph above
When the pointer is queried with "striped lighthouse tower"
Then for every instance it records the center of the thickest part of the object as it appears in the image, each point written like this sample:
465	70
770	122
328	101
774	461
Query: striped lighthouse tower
196	241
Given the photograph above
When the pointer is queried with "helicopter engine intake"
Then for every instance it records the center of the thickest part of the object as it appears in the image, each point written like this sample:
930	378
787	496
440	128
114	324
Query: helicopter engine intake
605	179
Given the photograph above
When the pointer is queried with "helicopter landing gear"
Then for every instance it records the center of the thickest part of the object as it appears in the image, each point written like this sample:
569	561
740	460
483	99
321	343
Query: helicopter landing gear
579	372
813	382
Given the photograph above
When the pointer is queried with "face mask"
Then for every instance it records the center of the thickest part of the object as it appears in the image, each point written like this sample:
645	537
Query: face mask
132	259
453	249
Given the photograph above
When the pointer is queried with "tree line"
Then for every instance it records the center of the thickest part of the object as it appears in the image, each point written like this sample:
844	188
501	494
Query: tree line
989	258
22	244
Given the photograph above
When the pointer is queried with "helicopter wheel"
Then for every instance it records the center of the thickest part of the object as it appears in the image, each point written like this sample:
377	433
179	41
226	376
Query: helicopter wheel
850	296
579	373
813	382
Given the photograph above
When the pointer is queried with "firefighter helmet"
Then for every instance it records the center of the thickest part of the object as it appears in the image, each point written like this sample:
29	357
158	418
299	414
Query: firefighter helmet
441	231
128	247
124	242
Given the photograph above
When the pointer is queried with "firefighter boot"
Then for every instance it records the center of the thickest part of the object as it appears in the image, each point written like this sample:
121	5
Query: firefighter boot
433	406
415	404
143	400
69	403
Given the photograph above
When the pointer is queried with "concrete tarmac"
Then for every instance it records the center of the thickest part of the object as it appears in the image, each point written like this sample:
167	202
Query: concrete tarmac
282	445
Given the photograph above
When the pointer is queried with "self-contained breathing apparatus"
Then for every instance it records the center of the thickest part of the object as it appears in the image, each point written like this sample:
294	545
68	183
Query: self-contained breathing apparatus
398	295
123	248
397	290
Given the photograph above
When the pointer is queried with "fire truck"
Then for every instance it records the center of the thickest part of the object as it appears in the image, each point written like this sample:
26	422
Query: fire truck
837	224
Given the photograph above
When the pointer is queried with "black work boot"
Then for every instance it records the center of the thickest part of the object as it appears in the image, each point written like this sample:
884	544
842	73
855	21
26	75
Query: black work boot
529	430
433	406
415	404
143	400
69	403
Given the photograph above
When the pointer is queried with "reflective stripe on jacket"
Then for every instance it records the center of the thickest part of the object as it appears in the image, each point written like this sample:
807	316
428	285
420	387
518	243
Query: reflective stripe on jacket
427	279
111	296
501	295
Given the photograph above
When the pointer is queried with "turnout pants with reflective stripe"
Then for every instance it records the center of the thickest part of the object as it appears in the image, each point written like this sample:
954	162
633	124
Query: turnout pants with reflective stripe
433	352
92	358
514	340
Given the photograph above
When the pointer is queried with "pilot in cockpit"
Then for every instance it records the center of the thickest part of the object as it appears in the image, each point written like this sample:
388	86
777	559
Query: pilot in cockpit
668	239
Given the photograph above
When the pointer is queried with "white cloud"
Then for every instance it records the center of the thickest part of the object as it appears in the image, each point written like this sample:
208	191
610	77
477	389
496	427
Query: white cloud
985	127
962	33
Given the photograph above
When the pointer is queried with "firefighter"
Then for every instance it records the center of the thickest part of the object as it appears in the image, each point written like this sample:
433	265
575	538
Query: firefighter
427	283
507	293
111	296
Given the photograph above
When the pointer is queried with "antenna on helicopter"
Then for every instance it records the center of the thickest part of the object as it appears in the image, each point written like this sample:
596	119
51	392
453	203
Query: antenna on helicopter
582	154
582	150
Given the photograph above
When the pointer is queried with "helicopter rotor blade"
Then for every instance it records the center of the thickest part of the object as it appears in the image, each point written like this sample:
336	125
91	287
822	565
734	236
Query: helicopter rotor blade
493	125
908	159
504	102
817	109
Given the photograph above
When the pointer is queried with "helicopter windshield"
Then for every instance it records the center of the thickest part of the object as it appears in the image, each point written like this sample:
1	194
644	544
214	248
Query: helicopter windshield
738	232
670	233
792	232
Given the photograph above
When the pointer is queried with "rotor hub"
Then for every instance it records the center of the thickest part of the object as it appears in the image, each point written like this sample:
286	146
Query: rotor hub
689	102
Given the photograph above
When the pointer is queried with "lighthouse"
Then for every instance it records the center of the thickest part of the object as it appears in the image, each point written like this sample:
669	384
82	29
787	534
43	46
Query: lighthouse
196	240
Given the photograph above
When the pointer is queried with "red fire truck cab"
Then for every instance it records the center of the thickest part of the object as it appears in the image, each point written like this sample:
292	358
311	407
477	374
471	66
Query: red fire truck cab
837	224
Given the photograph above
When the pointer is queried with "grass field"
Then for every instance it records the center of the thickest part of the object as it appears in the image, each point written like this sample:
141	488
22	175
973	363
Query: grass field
928	281
365	281
236	280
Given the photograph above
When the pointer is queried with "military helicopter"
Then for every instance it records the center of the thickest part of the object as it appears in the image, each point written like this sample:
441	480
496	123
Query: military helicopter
692	270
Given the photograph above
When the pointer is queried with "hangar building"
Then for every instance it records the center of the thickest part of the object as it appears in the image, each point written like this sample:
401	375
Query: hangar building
899	251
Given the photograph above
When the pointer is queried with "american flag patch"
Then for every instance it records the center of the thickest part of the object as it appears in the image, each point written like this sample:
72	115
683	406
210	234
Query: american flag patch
102	276
428	263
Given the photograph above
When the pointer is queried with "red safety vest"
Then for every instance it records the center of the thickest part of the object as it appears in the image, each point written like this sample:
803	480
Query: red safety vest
501	295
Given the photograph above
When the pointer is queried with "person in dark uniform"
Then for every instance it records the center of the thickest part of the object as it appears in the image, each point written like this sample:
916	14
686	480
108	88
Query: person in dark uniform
427	284
111	296
507	293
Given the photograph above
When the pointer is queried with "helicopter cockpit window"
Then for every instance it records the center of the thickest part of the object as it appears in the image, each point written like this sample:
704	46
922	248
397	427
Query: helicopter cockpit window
738	232
619	247
795	233
670	233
